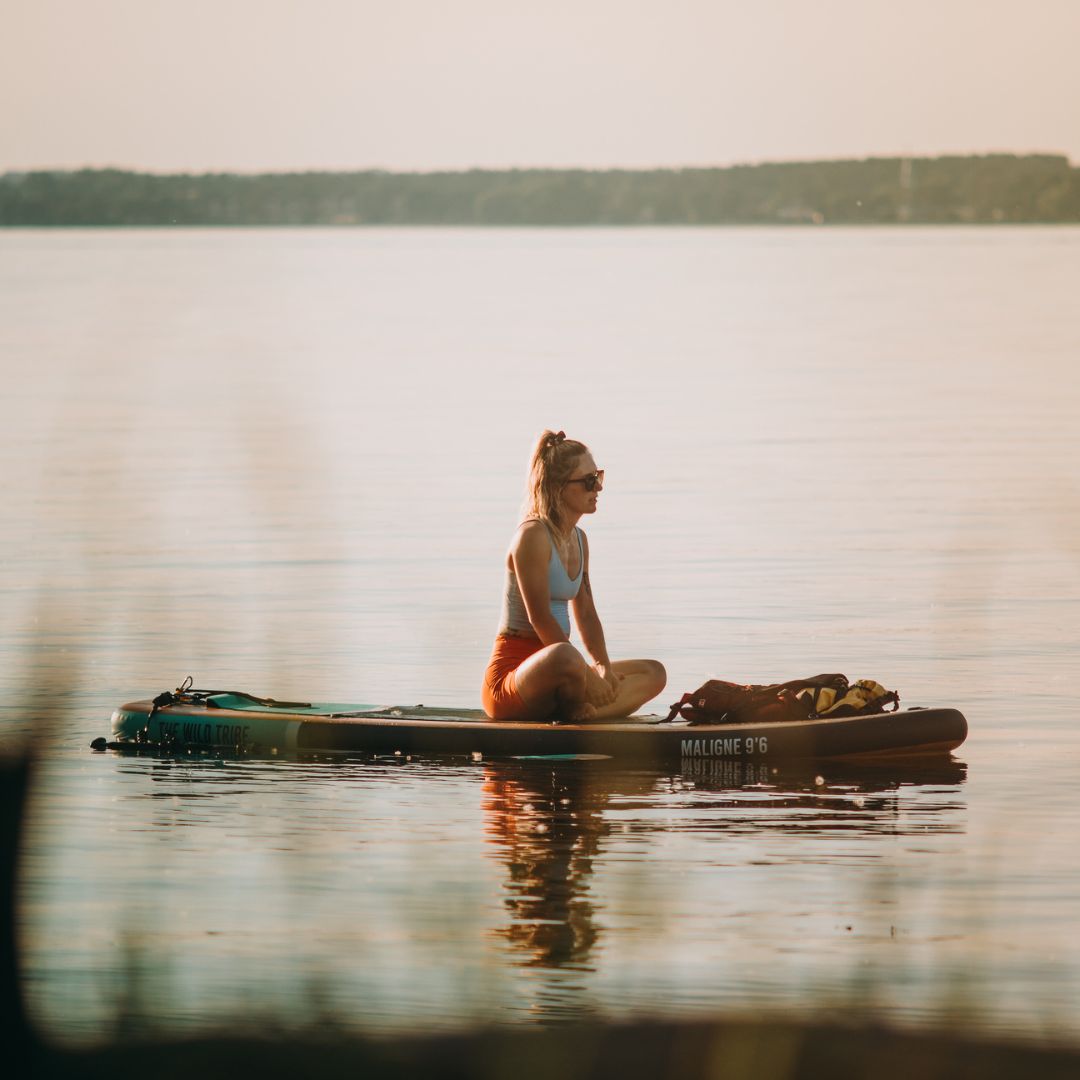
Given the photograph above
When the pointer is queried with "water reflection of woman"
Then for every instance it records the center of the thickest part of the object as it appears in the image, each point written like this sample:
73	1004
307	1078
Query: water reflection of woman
548	827
534	672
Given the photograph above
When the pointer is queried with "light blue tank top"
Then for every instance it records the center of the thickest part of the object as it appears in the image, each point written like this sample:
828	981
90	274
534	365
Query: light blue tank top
562	588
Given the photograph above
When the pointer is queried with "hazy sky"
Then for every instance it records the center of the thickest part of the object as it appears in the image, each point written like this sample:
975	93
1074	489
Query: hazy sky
418	84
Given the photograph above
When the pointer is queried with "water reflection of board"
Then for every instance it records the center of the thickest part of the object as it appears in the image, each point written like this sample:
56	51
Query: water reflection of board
228	720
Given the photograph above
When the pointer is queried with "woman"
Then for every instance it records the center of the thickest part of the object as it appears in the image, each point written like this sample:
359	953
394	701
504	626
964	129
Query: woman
534	672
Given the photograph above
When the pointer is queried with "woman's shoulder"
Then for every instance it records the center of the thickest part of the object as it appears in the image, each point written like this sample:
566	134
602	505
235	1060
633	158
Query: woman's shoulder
534	527
531	533
540	528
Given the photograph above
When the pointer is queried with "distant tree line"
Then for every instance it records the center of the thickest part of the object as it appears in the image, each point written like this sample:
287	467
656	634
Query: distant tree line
993	188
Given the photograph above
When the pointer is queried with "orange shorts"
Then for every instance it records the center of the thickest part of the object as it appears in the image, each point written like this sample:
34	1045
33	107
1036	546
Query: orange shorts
499	695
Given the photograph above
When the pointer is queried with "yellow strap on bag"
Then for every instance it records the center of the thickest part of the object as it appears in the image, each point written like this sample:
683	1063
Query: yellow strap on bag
864	696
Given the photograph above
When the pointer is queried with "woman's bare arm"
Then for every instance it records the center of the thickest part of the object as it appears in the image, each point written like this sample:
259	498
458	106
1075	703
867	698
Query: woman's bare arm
588	620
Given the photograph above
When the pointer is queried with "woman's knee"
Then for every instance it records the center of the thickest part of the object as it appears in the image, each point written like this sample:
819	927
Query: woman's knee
567	668
657	675
565	659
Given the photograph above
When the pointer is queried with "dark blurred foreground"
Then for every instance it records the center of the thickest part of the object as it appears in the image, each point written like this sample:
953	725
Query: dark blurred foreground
720	1050
733	1049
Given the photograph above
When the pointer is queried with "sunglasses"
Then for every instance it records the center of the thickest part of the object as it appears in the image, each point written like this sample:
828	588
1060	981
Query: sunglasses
590	482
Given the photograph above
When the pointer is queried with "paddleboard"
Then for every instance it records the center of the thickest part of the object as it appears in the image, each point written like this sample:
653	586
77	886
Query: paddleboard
231	720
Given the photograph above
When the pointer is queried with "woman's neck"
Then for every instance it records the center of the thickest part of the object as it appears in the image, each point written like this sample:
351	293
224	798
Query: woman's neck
565	529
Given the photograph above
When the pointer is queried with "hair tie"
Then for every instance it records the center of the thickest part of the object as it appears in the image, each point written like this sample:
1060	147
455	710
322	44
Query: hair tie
558	437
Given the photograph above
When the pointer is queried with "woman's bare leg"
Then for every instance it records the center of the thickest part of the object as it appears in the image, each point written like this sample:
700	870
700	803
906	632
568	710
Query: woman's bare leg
553	681
641	681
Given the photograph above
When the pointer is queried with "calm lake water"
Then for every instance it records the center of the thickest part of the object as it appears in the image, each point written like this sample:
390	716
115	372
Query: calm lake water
290	461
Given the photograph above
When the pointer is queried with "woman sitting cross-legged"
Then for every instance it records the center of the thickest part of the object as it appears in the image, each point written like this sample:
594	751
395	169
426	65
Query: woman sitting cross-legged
534	672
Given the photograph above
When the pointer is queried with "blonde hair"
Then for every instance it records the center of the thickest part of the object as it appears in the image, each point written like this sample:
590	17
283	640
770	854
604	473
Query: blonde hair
552	464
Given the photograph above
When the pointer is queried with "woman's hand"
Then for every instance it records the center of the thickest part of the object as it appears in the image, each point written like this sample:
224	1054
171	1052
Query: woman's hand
609	677
599	689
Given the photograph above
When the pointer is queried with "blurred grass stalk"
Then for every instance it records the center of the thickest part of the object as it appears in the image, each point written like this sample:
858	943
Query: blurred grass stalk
16	770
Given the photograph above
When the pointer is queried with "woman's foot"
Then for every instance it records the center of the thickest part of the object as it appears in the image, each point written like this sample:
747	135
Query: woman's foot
581	714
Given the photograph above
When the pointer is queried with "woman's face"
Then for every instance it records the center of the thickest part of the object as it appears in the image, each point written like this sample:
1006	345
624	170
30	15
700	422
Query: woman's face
576	496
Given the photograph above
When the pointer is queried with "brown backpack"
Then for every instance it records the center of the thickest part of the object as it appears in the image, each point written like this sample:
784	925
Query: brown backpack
719	702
